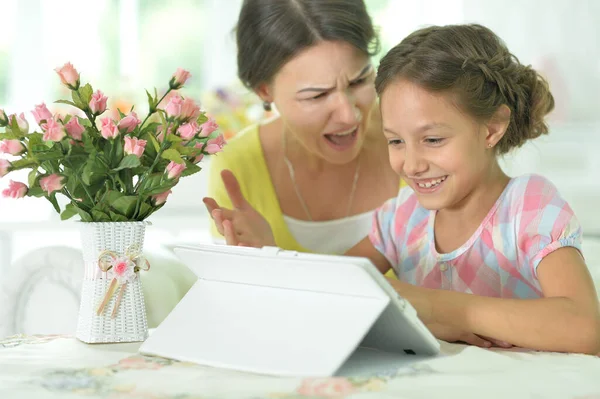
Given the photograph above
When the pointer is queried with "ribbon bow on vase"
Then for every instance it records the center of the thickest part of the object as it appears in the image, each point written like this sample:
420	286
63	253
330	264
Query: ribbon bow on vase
124	269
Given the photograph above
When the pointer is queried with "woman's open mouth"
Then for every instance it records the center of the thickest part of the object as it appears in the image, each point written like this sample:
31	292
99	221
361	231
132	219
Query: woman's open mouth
343	140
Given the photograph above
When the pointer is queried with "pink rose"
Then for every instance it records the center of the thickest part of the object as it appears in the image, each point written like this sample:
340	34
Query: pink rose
52	183
173	108
98	103
208	127
134	146
174	170
41	113
179	78
15	190
129	123
336	387
109	129
68	76
161	198
199	157
55	131
4	165
74	128
3	118
188	131
215	145
189	110
12	147
21	122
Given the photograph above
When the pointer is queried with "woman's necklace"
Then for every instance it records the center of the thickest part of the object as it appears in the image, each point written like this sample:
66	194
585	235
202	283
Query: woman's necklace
293	178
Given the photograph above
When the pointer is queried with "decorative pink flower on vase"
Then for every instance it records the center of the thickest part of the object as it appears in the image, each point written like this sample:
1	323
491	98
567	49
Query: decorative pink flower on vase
21	122
74	128
123	269
12	147
174	170
215	145
173	108
188	131
98	103
208	127
134	146
189	110
41	113
109	129
161	198
129	123
55	131
336	387
15	190
179	78
4	166
52	183
68	76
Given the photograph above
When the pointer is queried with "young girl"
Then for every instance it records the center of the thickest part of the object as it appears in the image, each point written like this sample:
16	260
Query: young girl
483	257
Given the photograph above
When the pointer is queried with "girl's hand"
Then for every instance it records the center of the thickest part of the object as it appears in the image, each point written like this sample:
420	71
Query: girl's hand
242	225
451	334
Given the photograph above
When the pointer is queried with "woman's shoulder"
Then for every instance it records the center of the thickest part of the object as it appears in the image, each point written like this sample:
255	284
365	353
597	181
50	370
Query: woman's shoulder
240	149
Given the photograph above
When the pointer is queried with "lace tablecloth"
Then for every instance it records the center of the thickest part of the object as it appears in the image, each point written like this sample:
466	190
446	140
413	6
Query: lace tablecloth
62	367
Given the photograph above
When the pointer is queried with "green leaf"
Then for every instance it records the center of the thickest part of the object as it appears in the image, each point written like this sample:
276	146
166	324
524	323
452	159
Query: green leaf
161	188
66	102
85	217
201	119
52	199
130	161
172	155
151	102
125	205
85	93
8	136
23	163
115	217
100	216
77	100
190	169
36	192
145	211
69	212
154	142
31	178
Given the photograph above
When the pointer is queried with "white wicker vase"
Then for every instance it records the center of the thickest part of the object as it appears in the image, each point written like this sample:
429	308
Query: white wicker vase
129	323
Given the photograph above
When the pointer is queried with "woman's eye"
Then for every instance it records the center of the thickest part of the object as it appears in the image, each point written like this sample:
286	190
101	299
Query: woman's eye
358	82
318	96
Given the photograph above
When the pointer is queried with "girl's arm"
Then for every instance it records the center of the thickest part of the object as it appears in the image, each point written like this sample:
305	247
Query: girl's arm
567	319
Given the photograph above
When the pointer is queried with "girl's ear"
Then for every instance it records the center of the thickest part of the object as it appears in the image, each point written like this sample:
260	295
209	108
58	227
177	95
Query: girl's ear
497	125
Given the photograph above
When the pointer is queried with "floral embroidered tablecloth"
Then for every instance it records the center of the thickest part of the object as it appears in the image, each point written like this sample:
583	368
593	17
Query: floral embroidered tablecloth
62	367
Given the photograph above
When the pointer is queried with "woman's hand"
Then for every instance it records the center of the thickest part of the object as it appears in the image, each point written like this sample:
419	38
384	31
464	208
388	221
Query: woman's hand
242	225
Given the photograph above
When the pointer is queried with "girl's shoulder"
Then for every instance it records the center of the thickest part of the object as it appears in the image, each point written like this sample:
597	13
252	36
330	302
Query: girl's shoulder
532	191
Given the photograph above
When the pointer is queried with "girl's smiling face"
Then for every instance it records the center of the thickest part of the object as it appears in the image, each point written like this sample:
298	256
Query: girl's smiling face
441	152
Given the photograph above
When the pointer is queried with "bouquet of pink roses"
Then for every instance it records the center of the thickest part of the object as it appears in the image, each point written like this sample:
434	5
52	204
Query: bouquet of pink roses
110	170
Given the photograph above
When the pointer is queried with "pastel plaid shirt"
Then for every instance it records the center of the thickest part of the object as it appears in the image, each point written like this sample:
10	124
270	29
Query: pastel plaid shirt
528	221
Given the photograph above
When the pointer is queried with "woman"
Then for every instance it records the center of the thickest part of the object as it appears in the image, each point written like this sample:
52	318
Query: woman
308	172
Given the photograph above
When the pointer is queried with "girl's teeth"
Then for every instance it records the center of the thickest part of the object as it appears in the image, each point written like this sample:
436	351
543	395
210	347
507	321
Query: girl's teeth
431	183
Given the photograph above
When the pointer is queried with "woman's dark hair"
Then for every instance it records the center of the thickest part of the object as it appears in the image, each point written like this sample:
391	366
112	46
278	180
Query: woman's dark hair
473	64
270	32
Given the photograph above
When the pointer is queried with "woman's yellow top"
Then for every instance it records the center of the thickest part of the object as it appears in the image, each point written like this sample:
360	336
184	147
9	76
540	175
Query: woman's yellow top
244	156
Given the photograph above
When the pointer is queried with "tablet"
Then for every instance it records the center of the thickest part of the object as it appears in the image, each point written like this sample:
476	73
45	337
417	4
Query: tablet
282	312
